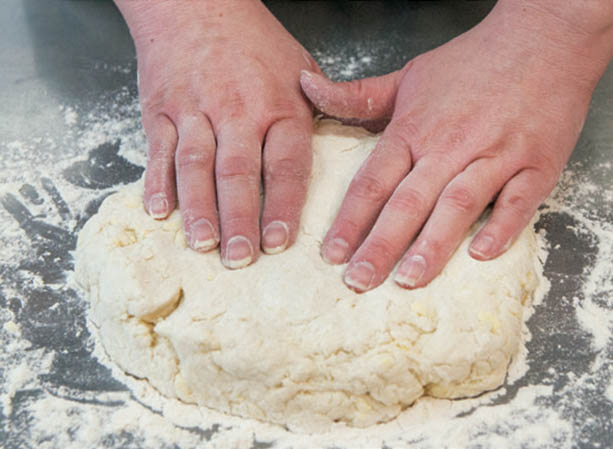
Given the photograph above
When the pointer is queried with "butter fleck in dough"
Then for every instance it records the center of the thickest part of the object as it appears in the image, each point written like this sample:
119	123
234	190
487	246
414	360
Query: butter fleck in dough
284	340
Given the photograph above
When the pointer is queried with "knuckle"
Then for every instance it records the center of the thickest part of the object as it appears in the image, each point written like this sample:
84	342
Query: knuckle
457	137
161	139
150	103
435	248
288	212
235	104
286	170
356	88
381	248
409	200
239	220
398	142
193	157
160	173
397	150
286	107
515	202
189	216
406	129
234	167
160	151
442	159
347	226
159	100
193	124
368	187
545	161
459	198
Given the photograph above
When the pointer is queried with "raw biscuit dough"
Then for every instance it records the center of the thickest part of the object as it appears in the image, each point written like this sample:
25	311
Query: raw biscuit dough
284	340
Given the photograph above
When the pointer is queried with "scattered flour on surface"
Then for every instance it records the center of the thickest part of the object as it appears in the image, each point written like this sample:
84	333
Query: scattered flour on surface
70	116
343	66
609	391
546	409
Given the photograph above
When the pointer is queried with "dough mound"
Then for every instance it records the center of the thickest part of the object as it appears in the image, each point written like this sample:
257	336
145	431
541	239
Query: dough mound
284	340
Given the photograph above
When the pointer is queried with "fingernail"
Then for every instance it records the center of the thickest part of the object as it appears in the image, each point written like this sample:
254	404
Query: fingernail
275	237
306	74
202	235
410	271
239	252
335	251
360	275
482	246
158	206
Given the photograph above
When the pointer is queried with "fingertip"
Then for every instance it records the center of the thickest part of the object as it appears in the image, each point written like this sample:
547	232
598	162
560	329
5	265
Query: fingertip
335	251
306	81
411	271
202	235
360	276
158	206
275	237
482	246
305	75
314	87
515	206
311	78
239	253
486	247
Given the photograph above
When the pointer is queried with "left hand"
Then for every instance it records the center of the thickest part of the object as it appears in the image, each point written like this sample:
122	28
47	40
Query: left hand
493	114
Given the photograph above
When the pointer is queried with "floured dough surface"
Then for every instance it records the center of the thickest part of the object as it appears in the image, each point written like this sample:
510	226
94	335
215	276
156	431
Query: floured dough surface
284	340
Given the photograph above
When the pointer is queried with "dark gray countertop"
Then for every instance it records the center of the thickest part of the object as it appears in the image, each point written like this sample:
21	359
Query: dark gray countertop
59	56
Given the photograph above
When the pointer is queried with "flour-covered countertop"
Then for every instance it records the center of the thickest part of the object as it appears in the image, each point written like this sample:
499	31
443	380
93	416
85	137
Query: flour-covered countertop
70	135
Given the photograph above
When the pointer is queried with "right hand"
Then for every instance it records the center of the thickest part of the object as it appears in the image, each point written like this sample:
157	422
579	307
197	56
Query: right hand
223	111
492	115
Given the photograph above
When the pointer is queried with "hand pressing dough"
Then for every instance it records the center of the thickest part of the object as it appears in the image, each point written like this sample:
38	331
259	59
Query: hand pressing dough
284	340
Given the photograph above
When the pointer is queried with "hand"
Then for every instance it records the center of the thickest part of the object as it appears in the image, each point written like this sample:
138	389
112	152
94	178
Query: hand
492	115
219	81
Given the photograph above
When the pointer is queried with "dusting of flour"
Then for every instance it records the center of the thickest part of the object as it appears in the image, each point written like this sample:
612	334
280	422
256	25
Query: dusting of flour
59	390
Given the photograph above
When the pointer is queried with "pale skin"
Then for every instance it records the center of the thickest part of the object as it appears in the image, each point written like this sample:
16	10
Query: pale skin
491	116
223	110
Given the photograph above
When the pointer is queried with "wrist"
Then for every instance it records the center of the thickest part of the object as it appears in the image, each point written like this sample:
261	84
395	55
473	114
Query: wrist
574	37
147	19
589	16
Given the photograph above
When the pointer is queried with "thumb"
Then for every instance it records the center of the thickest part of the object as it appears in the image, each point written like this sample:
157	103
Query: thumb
365	99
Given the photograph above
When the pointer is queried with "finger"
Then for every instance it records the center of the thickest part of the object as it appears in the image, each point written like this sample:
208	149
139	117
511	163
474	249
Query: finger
287	165
369	190
238	175
195	163
160	190
459	206
514	207
399	222
367	98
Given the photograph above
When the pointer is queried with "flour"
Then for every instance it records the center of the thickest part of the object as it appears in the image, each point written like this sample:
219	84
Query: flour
609	391
346	65
70	115
59	391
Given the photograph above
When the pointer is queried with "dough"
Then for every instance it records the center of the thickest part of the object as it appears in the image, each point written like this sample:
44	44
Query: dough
284	340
